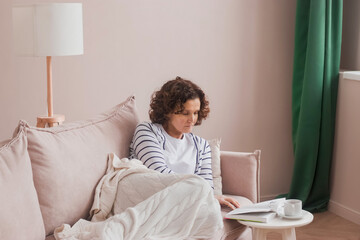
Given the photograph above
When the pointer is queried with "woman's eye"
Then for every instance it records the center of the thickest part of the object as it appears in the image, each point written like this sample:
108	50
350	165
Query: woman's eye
187	113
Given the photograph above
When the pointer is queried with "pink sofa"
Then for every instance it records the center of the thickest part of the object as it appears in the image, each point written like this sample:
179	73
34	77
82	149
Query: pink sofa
240	179
48	176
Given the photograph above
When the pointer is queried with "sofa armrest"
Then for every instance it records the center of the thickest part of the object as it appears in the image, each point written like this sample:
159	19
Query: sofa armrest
240	174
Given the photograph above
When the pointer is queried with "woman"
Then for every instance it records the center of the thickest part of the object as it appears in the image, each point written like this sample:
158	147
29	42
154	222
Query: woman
167	144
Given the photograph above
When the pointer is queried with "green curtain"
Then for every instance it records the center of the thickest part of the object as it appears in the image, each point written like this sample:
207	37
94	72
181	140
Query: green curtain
315	82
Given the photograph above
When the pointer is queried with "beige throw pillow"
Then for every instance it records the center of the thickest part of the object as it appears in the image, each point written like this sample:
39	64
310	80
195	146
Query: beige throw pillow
69	160
20	216
215	165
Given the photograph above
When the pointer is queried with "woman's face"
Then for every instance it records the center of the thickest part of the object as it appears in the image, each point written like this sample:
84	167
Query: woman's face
184	121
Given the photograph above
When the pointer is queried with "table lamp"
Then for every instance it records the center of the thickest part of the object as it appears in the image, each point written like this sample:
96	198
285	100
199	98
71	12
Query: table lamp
46	30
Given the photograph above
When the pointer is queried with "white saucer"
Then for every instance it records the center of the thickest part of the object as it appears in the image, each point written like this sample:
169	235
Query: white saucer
292	217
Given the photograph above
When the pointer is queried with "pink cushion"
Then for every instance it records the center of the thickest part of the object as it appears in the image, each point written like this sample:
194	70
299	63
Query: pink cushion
20	216
68	161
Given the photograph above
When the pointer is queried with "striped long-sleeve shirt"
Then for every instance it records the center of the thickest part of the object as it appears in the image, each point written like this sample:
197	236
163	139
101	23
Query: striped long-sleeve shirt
159	151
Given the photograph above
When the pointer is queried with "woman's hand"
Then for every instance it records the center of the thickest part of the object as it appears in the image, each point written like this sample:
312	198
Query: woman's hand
227	201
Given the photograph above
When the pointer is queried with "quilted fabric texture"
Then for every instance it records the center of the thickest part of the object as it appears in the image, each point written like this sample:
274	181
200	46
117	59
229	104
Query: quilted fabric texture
151	183
69	160
20	216
161	206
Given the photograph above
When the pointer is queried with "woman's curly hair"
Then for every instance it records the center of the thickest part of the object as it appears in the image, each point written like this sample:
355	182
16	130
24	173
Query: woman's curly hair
172	97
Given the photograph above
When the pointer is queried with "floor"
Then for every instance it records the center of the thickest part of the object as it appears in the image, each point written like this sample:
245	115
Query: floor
325	226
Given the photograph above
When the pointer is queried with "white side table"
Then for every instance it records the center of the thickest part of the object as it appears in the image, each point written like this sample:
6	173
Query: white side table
286	227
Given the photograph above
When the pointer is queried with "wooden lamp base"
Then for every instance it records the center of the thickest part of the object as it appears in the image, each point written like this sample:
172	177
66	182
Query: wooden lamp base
45	121
51	119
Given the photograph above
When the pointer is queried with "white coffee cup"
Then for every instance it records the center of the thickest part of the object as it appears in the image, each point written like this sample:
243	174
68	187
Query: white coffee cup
292	207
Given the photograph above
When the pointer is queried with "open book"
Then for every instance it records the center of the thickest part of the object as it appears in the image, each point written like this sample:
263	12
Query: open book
259	212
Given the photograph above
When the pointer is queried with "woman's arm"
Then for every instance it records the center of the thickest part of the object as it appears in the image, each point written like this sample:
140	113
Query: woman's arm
204	169
227	201
147	148
206	173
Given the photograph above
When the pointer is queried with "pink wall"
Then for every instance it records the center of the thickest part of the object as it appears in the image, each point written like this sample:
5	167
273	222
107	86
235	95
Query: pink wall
240	52
345	191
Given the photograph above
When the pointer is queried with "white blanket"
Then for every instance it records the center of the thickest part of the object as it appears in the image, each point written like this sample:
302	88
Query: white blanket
133	202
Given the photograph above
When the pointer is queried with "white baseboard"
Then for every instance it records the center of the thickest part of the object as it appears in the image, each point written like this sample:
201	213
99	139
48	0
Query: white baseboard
345	212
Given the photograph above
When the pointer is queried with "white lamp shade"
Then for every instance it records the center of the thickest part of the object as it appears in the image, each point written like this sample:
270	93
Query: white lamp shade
49	29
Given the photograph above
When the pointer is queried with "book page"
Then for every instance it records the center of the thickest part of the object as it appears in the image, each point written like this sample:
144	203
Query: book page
266	206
